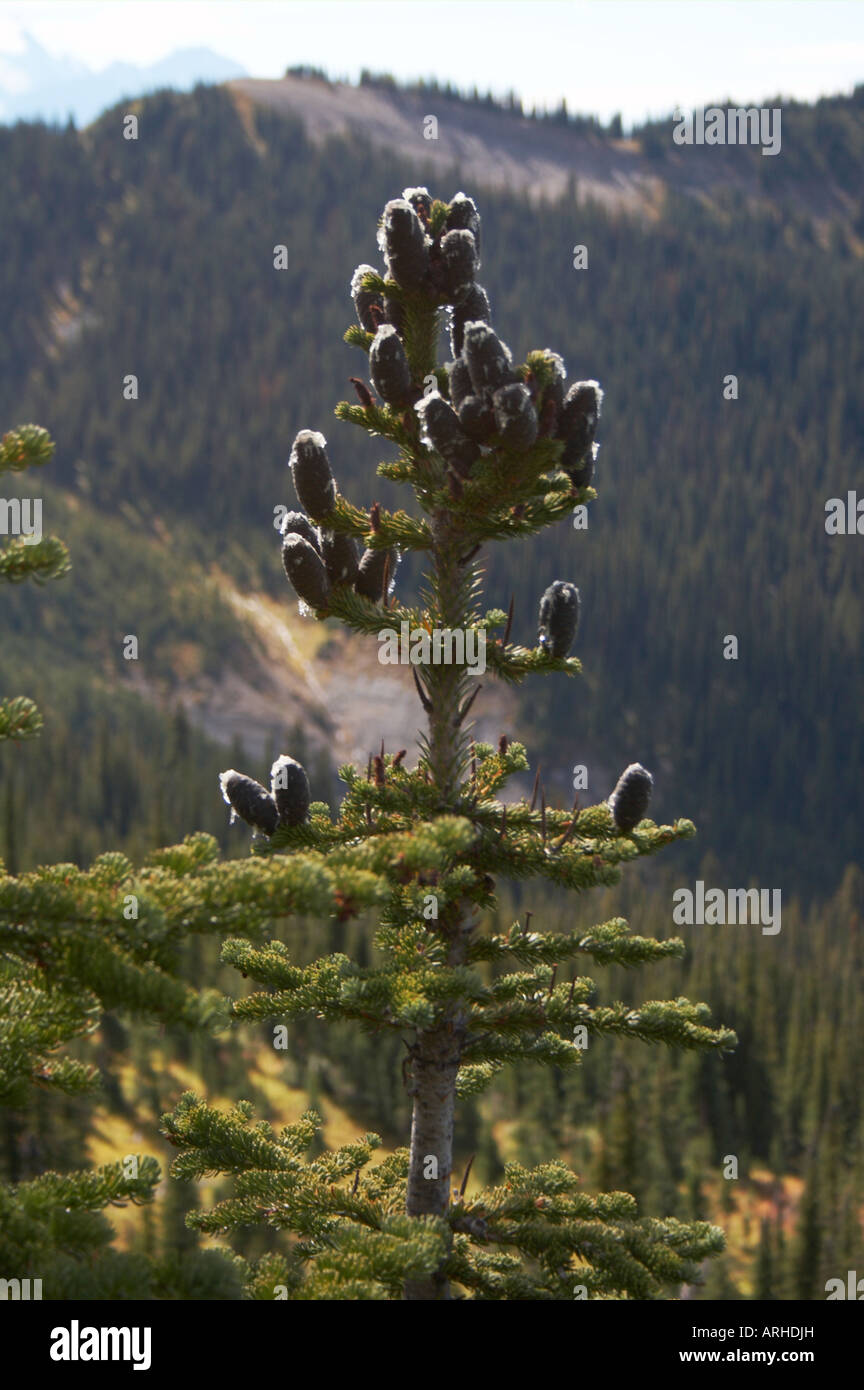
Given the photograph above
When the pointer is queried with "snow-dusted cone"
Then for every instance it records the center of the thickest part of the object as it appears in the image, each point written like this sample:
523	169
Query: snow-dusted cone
249	800
459	260
629	801
298	524
305	568
340	556
559	617
394	313
462	213
442	429
404	244
370	576
470	307
578	425
487	358
313	479
581	476
388	366
477	419
515	416
289	787
420	200
459	381
555	388
364	300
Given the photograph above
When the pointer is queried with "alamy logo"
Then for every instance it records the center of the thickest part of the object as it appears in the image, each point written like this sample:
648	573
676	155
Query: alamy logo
21	516
848	1290
20	1288
735	125
845	518
440	647
76	1343
733	906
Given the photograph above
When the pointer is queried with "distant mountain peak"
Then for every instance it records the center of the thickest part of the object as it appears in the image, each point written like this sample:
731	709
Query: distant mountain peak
36	85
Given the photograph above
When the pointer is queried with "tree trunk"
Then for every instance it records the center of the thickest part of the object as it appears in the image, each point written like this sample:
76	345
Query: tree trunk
436	1062
437	1051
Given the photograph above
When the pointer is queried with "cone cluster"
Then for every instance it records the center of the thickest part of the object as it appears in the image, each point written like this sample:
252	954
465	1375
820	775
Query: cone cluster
431	255
287	802
315	558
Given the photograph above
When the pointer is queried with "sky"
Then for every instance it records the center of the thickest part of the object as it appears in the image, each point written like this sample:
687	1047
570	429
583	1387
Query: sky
638	57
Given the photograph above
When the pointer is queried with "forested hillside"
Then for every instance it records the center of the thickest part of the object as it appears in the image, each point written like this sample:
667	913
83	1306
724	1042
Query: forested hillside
156	257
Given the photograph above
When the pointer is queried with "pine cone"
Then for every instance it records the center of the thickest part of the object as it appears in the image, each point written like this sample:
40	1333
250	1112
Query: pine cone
515	416
340	557
298	524
578	425
629	801
581	476
289	787
462	213
559	617
388	366
554	390
421	202
441	426
305	568
459	261
364	299
477	419
487	358
404	244
459	380
470	307
249	800
394	313
313	480
370	575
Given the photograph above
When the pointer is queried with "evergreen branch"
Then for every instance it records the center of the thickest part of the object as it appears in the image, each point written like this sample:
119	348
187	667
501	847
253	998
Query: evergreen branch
19	719
355	336
514	663
29	446
34	1022
39	560
392	529
92	1189
567	1240
503	473
609	944
556	504
362	615
579	864
353	1243
381	420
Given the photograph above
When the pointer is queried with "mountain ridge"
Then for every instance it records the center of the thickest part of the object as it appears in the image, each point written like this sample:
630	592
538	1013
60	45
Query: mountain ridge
500	148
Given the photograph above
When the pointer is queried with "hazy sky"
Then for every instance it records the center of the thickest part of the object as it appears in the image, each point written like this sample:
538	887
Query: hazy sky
635	56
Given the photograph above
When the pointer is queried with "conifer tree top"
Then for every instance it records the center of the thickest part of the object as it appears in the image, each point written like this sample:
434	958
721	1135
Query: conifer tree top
492	449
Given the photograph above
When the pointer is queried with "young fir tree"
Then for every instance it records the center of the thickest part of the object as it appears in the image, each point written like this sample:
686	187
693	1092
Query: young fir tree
74	943
492	451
